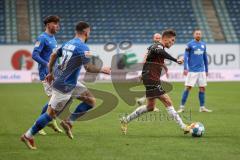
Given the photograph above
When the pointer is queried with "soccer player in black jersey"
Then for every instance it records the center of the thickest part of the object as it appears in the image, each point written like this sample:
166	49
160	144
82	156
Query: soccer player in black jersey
151	73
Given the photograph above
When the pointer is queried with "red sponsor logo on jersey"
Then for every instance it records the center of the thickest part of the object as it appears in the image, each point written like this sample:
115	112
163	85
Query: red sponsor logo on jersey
22	60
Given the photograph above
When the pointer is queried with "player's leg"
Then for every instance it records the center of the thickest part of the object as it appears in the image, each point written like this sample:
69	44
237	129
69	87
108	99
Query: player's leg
44	109
141	101
53	123
166	100
184	98
189	83
56	103
153	90
47	90
141	110
202	83
39	124
88	102
137	113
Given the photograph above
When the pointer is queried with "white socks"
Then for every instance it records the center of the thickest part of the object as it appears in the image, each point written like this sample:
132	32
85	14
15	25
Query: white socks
143	109
28	134
181	107
138	112
171	111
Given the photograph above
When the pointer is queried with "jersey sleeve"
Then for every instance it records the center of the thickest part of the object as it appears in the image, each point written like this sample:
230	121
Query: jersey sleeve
158	49
82	50
205	59
149	49
186	56
38	47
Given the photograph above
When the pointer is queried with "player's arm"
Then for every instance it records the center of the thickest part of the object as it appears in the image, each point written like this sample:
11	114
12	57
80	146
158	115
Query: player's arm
145	57
165	55
53	58
186	55
39	45
52	61
89	67
205	59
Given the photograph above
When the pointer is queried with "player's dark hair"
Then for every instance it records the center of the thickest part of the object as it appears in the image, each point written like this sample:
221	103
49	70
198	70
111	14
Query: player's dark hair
169	33
50	19
81	26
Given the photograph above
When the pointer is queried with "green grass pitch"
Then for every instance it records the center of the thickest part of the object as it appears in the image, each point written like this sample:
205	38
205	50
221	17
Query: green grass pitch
101	139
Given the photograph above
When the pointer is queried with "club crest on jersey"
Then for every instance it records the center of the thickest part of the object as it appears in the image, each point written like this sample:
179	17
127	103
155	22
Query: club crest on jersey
37	44
202	46
198	52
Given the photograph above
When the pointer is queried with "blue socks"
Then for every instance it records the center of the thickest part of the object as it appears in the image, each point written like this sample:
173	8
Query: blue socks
81	109
44	109
184	97
41	122
201	96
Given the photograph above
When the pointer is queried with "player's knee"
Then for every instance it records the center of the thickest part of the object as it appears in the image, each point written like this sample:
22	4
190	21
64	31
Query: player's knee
92	101
202	89
88	98
51	112
188	88
150	105
150	108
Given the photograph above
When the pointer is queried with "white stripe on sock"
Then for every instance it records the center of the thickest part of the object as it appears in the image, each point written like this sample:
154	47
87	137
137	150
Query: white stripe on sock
28	134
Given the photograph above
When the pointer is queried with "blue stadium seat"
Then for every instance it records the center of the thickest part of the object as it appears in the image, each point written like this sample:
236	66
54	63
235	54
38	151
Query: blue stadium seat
2	23
121	20
233	7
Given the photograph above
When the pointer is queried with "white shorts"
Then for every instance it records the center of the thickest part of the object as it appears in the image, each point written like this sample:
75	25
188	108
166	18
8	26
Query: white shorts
47	88
58	99
198	78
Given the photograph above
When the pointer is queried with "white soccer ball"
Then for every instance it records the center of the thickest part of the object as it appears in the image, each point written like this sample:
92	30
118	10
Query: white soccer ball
197	129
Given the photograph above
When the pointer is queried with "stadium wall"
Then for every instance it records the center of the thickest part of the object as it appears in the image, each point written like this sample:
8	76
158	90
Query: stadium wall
16	64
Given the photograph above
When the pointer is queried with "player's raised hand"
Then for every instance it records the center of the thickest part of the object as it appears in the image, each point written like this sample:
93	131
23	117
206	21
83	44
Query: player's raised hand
49	78
180	60
106	70
185	72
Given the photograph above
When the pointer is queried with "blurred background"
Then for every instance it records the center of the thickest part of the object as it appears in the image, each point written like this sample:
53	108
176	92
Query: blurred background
122	27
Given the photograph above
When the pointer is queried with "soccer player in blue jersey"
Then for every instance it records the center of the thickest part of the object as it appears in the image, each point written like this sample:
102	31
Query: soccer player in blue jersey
44	46
196	70
65	86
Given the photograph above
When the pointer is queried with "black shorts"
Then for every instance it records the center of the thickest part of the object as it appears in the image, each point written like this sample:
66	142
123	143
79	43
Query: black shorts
154	89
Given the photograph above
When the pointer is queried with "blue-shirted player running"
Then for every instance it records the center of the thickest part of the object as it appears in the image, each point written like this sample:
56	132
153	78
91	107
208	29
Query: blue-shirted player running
196	70
44	46
65	86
